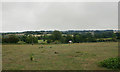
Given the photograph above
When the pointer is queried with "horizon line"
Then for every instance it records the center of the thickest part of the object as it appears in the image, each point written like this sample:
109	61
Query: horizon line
58	30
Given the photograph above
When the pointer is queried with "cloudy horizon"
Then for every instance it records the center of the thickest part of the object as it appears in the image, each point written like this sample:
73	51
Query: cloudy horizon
35	16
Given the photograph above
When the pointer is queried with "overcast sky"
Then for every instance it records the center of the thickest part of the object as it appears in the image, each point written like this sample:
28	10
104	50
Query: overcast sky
23	16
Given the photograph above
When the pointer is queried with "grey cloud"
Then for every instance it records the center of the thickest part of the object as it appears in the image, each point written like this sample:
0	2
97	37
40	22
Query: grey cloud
20	16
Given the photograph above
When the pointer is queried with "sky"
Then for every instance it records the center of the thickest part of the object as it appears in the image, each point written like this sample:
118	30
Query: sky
26	16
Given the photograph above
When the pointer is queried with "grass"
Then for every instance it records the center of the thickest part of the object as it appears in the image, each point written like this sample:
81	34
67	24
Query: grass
78	56
41	41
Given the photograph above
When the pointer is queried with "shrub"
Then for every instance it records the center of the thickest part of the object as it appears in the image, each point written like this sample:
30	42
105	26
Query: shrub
49	41
31	57
111	63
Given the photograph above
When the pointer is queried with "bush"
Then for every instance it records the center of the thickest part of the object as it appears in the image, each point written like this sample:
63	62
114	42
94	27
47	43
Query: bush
111	63
57	42
49	41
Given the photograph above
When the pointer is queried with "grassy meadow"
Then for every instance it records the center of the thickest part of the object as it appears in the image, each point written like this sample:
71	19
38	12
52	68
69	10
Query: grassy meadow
77	56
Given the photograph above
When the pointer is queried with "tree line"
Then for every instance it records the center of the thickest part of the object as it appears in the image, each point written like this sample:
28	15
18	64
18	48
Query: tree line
57	37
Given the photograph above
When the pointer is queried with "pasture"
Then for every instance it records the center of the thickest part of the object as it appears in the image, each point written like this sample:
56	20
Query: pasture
77	56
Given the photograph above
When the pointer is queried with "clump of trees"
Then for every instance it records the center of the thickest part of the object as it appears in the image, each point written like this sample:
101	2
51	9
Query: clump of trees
10	39
31	39
57	37
15	39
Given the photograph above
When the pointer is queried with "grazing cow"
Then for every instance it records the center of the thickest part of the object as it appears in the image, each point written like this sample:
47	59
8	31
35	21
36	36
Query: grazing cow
70	41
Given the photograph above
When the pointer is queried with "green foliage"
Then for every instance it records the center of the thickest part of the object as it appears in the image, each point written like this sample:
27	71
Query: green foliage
118	35
56	42
23	38
45	37
56	35
10	39
114	37
49	41
68	38
111	63
63	39
76	38
103	34
31	57
31	39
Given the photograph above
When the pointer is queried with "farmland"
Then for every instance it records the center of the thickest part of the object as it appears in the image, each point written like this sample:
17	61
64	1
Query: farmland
76	56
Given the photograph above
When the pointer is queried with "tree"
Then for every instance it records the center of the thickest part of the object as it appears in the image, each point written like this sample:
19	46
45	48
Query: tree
23	38
63	39
118	35
45	37
31	39
114	37
81	38
76	38
11	39
90	38
56	35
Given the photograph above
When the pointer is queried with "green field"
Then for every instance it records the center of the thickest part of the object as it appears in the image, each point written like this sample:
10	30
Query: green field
77	56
